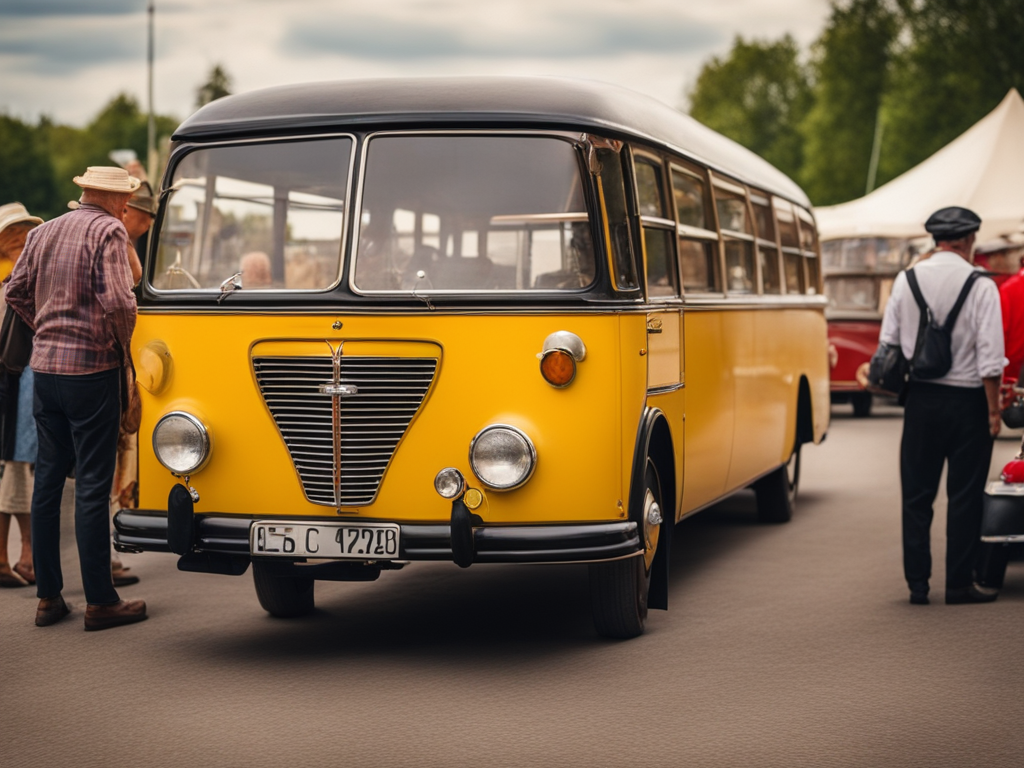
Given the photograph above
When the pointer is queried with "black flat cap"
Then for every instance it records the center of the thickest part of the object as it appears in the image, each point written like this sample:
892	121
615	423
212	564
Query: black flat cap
952	223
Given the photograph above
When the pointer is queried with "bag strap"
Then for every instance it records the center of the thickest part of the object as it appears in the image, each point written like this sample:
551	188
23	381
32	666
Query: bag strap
955	311
925	312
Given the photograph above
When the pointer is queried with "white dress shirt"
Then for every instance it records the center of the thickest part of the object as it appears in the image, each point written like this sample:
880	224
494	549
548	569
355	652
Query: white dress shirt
977	339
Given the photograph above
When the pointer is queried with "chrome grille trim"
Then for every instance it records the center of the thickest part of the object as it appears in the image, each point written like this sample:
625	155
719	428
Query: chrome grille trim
372	421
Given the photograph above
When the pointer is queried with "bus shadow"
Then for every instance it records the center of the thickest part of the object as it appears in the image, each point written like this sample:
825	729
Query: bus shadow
475	615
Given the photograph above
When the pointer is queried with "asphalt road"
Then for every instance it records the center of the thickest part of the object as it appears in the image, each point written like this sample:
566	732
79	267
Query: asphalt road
786	646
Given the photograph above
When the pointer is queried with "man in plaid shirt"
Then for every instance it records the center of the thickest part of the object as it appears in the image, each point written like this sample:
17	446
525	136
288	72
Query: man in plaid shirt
73	286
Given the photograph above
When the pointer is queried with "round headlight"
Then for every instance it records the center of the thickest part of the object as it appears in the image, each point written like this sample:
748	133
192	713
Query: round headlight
449	483
181	443
502	457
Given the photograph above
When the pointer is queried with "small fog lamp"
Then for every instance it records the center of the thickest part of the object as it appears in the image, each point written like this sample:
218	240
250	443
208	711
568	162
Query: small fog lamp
449	483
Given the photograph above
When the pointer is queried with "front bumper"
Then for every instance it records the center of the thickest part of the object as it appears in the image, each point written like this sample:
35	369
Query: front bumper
1002	520
146	530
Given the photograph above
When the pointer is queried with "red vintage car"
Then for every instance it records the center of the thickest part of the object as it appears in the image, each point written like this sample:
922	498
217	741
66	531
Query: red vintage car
858	273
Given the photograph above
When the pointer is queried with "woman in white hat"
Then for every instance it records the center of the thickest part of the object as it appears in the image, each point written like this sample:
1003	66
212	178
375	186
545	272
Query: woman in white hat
17	426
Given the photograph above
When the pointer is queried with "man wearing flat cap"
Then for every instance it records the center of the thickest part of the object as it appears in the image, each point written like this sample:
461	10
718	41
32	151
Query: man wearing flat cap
951	418
73	286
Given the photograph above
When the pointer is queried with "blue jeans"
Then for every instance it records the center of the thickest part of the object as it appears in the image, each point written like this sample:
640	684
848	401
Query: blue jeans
77	418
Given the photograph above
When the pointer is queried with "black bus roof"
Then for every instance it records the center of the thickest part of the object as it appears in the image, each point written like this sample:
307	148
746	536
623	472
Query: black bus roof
471	102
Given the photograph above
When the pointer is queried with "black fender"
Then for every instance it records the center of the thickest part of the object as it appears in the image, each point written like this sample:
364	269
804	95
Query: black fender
654	440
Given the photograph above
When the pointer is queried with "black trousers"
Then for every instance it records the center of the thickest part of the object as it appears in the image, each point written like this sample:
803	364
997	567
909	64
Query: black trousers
77	418
943	424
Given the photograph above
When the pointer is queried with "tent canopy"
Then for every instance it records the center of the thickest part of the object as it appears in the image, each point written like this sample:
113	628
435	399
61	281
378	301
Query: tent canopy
982	169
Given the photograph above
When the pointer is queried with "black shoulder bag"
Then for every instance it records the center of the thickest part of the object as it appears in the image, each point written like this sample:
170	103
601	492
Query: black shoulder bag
889	369
933	356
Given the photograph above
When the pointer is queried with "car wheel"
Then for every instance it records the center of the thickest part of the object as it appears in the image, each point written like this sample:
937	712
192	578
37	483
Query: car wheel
862	403
282	596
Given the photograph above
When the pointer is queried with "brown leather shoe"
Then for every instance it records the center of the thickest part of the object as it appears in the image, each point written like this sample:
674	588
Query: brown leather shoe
107	616
51	610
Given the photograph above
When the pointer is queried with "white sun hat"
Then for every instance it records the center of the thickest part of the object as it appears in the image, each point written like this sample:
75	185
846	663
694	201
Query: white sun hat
107	178
16	213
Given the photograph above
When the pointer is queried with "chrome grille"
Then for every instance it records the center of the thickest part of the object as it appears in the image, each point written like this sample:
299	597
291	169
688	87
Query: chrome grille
371	421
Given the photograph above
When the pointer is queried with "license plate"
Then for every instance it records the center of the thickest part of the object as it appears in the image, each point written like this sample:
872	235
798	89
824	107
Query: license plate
358	541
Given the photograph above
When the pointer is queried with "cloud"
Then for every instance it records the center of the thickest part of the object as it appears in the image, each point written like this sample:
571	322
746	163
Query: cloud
33	8
58	51
559	36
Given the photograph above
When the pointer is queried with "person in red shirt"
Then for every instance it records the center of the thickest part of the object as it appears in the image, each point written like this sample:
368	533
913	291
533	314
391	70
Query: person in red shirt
1011	295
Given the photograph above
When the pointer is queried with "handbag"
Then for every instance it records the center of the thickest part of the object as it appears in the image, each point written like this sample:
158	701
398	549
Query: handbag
15	342
131	403
888	371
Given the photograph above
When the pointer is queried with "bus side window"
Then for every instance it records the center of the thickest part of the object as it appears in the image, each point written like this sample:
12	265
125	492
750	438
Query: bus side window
737	237
809	245
792	259
698	251
658	230
612	187
767	243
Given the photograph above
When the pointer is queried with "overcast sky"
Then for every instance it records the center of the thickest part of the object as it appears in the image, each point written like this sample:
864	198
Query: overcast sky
67	58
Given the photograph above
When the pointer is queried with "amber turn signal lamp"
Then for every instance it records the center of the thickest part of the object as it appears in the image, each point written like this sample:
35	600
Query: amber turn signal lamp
558	367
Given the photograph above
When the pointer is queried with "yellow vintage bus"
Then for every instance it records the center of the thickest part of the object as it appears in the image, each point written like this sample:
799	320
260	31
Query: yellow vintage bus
475	320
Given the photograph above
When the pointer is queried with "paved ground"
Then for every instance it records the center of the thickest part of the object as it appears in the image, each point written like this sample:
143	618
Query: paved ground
784	646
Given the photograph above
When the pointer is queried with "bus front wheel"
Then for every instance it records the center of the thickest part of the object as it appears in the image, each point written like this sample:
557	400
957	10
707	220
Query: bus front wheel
282	596
619	589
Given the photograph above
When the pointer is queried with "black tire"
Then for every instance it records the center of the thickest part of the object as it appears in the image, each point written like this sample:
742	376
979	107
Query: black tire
776	492
619	589
992	565
862	403
282	596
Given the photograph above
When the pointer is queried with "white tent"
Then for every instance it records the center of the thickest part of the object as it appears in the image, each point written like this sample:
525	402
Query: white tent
982	169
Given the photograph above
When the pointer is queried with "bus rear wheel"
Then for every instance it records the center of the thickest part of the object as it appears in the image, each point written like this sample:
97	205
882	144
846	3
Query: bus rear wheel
282	596
776	492
619	589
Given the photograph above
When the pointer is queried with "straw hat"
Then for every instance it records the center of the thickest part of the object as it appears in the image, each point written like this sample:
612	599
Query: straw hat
16	213
107	178
143	199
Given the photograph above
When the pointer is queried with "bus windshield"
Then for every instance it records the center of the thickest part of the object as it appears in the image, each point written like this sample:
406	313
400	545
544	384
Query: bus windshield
255	217
472	214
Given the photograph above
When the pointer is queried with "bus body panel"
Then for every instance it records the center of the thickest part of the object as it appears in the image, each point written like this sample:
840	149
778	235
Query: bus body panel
488	373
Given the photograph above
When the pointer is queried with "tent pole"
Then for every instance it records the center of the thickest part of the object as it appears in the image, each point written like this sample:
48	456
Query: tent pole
876	147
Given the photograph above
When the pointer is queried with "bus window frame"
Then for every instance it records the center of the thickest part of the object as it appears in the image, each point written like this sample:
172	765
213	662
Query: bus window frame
804	218
593	197
704	236
177	157
759	240
735	187
777	203
646	221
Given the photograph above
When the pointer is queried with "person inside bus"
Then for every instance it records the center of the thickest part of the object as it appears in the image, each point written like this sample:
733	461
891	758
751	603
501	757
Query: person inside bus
255	269
952	418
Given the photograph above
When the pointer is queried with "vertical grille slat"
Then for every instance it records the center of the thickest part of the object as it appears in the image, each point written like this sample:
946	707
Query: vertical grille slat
372	421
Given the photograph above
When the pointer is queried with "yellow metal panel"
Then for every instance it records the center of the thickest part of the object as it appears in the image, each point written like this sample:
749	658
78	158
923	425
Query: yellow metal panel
710	400
489	373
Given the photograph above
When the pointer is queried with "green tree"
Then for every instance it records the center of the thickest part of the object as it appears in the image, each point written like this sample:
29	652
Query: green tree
758	95
26	173
119	125
217	86
849	65
960	59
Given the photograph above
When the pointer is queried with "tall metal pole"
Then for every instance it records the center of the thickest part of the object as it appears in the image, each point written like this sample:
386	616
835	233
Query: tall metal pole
876	148
151	158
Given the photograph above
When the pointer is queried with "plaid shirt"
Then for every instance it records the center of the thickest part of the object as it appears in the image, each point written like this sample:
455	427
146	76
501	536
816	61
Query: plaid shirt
73	285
